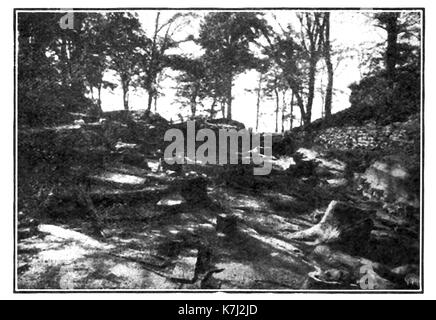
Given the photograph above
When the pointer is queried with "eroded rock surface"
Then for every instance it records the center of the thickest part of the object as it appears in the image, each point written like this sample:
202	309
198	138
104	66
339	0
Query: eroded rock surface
312	226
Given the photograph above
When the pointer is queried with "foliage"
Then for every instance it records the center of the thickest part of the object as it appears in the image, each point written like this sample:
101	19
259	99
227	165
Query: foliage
192	82
48	85
297	53
126	39
153	59
62	71
392	95
226	38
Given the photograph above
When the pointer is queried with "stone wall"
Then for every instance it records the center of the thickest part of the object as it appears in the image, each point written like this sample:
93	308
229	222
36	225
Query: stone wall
398	135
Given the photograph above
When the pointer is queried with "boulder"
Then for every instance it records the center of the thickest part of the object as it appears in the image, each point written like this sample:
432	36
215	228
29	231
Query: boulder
284	146
392	178
331	279
72	203
225	124
149	118
226	224
409	274
194	189
146	194
134	158
113	131
171	248
239	176
175	167
304	166
62	203
171	200
341	223
340	182
344	271
61	148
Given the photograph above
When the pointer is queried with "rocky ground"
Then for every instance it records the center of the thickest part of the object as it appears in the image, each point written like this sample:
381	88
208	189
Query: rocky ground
98	209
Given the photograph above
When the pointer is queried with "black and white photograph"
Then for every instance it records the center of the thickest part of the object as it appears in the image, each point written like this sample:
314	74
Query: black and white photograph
198	150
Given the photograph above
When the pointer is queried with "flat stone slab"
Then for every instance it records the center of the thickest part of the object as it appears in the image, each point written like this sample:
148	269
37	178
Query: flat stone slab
175	199
123	196
337	182
66	234
122	146
185	265
119	178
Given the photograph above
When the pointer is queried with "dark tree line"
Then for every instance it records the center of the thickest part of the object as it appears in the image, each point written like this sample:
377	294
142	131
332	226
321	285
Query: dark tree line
391	89
63	70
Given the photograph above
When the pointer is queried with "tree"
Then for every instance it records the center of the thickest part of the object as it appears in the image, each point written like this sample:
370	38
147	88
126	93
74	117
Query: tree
391	88
191	84
329	65
226	38
291	114
258	93
312	29
96	47
297	53
36	36
50	74
276	85
153	57
389	22
124	35
399	48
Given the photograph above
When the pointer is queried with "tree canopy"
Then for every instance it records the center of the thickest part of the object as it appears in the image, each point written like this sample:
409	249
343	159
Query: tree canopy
65	70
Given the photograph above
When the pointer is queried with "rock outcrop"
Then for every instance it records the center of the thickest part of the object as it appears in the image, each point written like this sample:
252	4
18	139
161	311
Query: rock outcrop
341	223
393	181
371	136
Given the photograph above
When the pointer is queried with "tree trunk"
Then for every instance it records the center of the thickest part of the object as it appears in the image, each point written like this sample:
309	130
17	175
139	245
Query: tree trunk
99	98
300	105
229	97
391	55
328	61
276	93
150	100
223	109
193	106
151	66
392	48
311	93
212	108
259	87
292	111
283	110
125	96
296	94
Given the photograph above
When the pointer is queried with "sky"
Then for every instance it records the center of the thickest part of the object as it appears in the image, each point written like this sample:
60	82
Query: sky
351	29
